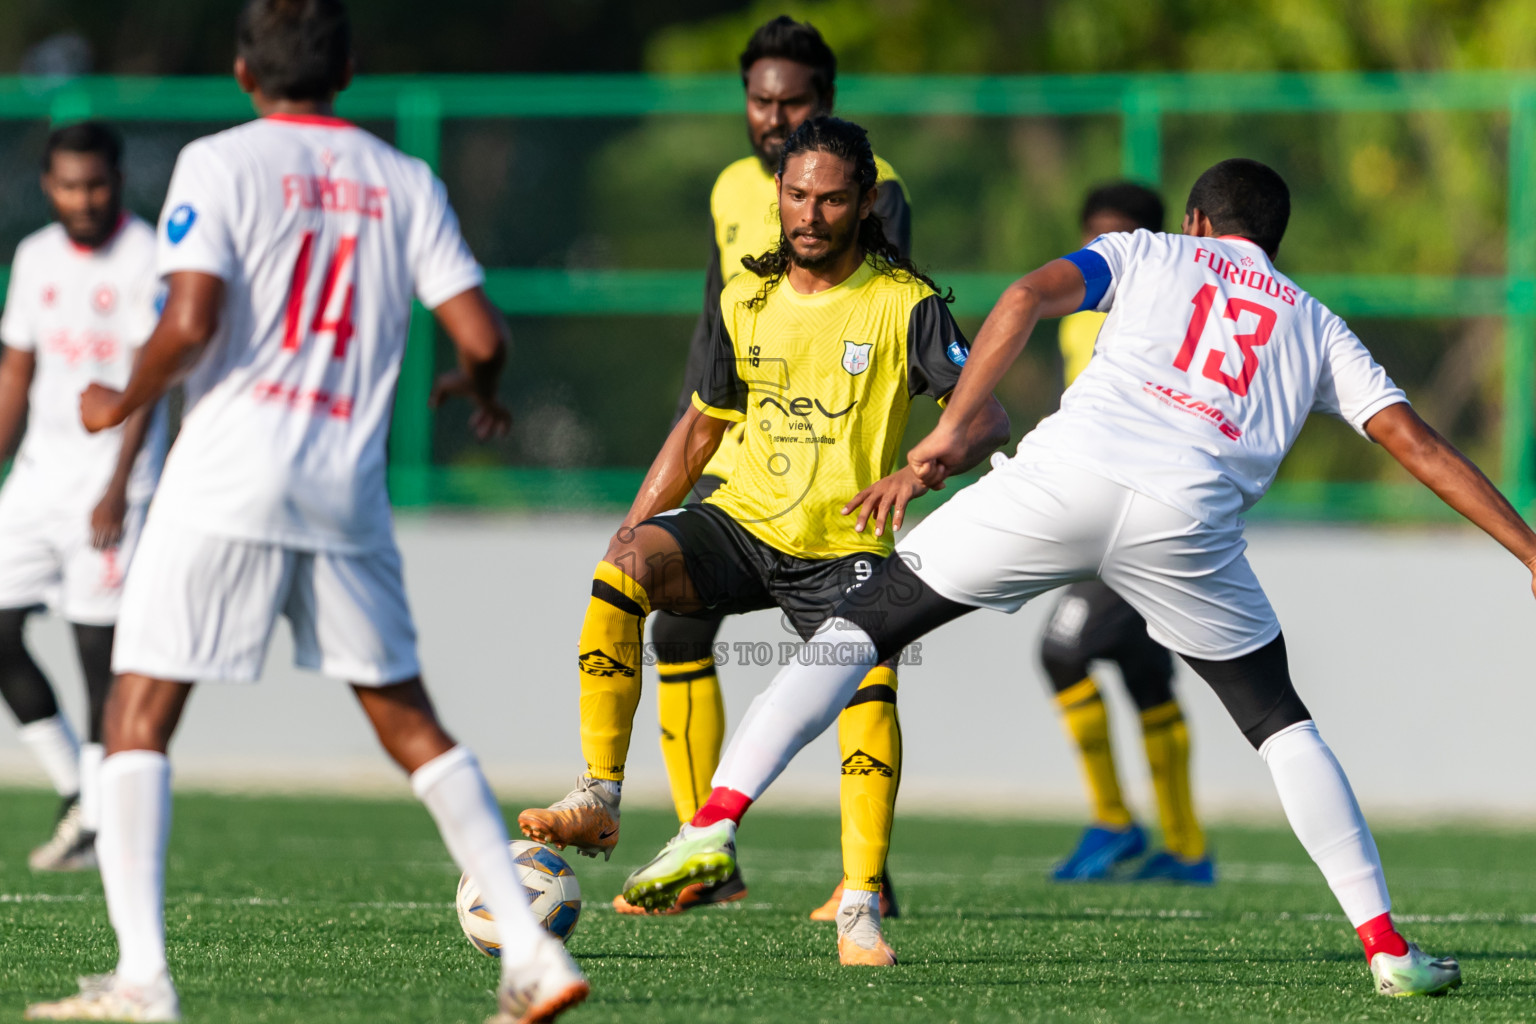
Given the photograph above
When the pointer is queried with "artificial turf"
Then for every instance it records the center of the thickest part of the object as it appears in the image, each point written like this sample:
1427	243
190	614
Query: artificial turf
306	909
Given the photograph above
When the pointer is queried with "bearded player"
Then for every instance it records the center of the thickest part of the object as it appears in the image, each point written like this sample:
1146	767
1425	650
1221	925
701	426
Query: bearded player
788	74
81	301
292	246
1093	623
1205	371
819	352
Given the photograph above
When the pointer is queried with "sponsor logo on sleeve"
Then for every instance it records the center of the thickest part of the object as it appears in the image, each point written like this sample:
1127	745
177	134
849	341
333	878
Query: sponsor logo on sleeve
856	356
957	352
180	222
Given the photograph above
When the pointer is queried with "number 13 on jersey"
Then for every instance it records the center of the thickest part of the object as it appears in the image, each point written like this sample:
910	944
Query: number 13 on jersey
1204	299
333	311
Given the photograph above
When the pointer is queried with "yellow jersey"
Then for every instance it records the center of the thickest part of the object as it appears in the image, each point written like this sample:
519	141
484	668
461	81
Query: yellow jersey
743	208
1077	334
822	384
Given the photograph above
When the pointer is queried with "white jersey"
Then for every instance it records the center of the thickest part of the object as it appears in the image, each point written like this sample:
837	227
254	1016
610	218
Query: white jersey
321	233
83	313
1203	374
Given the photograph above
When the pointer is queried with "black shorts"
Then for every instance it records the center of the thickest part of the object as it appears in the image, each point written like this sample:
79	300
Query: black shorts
734	572
1092	620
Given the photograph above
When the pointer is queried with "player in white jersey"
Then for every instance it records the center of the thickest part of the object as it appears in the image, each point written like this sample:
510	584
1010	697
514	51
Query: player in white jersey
291	247
81	301
1205	370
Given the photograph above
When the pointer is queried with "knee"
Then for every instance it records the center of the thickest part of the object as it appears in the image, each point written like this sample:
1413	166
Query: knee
1064	664
12	621
142	717
680	638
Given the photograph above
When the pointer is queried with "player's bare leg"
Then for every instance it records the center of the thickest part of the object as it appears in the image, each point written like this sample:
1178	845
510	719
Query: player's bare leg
539	979
141	716
642	571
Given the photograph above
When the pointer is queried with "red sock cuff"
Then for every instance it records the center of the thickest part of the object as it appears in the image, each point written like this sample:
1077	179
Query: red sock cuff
722	803
1379	935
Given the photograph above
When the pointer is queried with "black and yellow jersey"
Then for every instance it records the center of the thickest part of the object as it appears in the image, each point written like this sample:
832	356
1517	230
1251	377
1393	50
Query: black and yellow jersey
822	385
1077	334
743	210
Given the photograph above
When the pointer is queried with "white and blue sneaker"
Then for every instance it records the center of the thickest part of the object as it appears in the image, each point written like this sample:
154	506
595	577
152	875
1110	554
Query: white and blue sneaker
1098	851
1415	973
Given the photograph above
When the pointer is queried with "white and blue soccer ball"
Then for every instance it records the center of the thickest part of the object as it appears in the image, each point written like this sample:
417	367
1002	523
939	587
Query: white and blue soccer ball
553	894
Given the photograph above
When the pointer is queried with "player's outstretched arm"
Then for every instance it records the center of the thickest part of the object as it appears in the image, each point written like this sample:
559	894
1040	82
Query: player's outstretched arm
890	495
190	318
677	467
1056	289
480	337
16	369
1460	484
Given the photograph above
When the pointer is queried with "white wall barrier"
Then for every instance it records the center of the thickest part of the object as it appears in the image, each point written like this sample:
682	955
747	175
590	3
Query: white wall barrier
1413	648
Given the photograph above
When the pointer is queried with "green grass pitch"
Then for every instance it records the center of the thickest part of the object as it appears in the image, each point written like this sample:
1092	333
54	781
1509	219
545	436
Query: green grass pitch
315	910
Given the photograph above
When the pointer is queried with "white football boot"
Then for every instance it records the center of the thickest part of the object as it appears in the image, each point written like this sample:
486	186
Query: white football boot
103	997
860	942
586	818
702	855
72	847
542	988
1415	973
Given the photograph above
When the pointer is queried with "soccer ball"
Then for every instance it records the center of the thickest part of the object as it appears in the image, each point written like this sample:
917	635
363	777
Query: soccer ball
553	893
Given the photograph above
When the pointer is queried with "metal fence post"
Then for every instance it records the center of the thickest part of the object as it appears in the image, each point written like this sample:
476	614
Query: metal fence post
1141	139
1518	442
418	121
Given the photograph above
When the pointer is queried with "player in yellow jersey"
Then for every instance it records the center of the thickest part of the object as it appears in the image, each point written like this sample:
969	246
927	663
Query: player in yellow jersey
788	73
819	353
1093	623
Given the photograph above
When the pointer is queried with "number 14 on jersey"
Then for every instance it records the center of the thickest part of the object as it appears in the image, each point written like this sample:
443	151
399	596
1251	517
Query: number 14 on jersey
333	312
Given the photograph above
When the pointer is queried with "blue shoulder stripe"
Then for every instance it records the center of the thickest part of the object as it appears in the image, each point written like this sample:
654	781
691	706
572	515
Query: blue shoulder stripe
1096	276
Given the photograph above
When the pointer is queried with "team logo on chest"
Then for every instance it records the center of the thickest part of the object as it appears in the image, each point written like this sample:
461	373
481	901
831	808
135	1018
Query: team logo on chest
856	356
103	299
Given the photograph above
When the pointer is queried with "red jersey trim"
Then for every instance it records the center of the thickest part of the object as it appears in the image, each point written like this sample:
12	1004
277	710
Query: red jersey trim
91	250
317	120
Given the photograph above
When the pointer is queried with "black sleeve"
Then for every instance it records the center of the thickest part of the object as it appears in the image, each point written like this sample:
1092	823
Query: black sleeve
720	385
936	349
896	215
699	344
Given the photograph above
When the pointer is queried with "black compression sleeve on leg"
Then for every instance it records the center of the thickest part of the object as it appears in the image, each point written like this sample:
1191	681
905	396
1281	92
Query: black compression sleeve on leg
1256	689
95	646
894	606
1147	668
679	638
22	683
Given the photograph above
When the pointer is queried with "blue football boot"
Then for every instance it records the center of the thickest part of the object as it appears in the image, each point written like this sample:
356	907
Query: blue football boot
1098	851
1163	866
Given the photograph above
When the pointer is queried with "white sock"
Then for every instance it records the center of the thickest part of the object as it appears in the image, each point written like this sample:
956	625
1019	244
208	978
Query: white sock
91	755
1325	817
461	803
53	743
853	899
803	700
135	824
609	789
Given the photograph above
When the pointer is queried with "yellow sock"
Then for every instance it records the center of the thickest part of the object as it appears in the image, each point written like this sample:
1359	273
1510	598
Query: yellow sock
869	741
1087	722
610	669
692	726
1167	739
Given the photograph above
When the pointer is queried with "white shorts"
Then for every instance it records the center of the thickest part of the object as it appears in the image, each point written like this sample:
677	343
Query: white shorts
1024	529
46	558
200	608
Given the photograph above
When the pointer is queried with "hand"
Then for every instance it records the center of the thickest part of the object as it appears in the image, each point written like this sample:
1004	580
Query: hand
935	456
490	418
887	495
101	408
107	519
